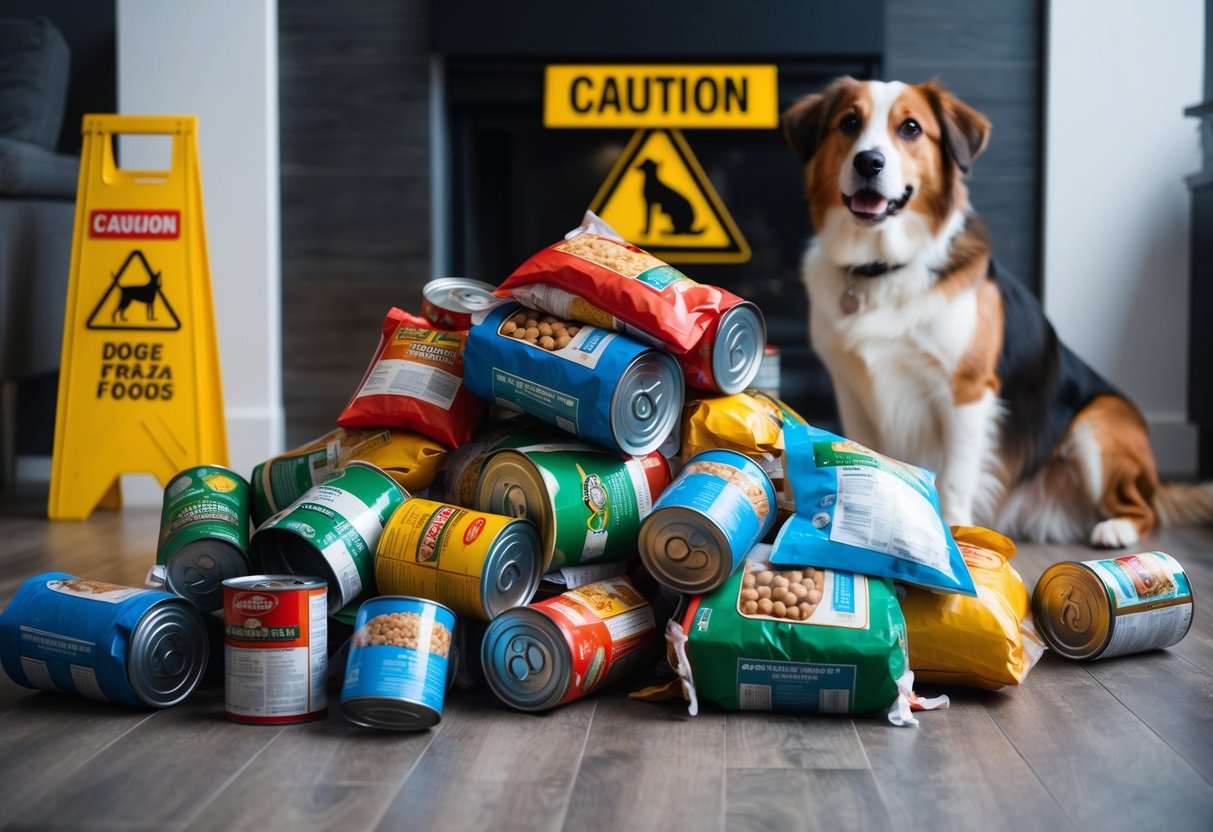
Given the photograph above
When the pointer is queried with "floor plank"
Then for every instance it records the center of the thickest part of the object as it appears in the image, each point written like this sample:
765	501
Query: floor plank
1101	763
762	800
648	764
768	741
494	767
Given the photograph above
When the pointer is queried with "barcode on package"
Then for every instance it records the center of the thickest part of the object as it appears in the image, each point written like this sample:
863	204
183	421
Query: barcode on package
754	697
834	701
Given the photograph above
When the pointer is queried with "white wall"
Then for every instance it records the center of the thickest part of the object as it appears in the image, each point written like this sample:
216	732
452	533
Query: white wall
219	59
1117	148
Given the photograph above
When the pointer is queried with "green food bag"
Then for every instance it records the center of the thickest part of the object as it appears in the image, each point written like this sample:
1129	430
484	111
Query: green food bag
807	640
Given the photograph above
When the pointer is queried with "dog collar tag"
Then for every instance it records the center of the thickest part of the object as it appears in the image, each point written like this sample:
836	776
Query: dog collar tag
849	302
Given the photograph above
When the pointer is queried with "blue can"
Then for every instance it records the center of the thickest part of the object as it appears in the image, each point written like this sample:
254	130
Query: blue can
706	521
396	673
597	384
137	647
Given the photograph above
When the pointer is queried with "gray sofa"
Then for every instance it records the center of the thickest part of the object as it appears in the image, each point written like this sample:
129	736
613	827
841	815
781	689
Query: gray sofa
37	210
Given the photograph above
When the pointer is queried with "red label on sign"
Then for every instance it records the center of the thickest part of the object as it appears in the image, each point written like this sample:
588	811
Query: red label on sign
130	225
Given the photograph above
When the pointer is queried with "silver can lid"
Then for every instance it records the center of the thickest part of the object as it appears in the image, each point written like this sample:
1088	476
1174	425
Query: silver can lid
685	550
647	403
512	568
460	294
388	713
167	654
511	484
526	660
737	347
198	569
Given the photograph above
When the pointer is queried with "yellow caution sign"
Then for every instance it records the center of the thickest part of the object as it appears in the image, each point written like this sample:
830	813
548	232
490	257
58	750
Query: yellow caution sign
139	386
658	197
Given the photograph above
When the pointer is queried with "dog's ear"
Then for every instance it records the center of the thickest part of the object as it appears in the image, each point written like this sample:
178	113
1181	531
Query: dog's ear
965	131
804	123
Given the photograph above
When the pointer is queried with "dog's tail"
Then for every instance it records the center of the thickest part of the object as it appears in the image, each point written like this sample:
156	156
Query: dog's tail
1184	504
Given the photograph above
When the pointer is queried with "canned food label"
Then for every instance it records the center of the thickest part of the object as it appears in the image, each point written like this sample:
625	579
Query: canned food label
600	502
606	625
547	403
202	503
400	651
94	590
275	653
1152	601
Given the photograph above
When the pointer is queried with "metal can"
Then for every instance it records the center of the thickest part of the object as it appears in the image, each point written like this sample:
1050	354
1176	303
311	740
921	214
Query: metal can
396	674
600	385
477	564
204	533
586	503
560	649
730	353
703	525
332	531
448	302
462	472
767	381
137	647
275	648
1095	609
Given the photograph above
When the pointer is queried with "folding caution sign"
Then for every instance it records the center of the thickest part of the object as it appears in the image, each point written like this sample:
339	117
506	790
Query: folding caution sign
139	384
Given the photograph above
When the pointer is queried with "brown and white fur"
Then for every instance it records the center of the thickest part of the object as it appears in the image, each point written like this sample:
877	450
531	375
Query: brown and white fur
939	359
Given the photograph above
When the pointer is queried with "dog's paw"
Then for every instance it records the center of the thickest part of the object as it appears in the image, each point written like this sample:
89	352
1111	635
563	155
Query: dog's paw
1116	533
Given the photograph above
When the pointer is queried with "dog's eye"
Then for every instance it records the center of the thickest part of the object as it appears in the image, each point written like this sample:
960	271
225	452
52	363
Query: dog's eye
850	123
909	129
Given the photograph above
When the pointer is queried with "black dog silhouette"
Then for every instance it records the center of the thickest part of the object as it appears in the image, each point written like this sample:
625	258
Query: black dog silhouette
145	293
660	196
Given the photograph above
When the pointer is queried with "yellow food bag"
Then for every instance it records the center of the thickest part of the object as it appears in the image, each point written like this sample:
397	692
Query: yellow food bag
984	642
748	423
411	459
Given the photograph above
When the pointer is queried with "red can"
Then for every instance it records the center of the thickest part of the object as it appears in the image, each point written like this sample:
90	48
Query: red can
448	302
560	649
275	637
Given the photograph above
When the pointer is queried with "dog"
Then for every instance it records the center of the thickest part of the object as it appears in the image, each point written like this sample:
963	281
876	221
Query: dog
658	196
940	359
144	293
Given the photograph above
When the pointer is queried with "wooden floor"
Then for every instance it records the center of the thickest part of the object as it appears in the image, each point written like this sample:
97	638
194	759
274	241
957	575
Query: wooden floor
1120	744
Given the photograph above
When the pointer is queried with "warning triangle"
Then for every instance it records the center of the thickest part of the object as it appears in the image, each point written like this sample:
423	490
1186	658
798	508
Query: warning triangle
658	197
136	301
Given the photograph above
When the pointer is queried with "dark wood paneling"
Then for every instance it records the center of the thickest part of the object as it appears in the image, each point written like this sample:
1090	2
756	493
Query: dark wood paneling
355	151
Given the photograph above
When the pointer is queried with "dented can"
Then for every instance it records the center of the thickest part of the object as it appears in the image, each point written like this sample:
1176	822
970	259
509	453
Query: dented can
332	531
448	302
562	648
477	564
397	671
137	647
275	648
703	525
586	503
1096	609
204	533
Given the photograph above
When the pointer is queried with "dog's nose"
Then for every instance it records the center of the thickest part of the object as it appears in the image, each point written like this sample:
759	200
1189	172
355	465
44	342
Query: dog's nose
869	163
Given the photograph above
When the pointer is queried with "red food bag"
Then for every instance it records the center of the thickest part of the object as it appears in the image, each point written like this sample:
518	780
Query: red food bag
415	381
594	276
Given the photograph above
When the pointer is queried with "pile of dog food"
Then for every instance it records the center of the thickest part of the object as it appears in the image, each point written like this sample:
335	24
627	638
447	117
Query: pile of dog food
560	483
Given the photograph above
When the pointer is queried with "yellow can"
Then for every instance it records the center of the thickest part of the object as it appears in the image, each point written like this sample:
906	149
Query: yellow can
477	564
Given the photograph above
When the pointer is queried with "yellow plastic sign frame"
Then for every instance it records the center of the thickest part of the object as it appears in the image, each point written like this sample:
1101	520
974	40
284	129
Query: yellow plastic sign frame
139	385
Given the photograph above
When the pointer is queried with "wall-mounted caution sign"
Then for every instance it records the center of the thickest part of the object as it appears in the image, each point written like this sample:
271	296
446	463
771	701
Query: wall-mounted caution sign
717	96
658	197
139	386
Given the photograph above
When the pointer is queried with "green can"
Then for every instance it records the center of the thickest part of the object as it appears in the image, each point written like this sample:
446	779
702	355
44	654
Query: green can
586	502
332	531
204	533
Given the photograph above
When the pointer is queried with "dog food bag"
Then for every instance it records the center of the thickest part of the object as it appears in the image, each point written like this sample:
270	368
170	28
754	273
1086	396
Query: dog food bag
415	381
863	511
814	640
749	423
984	642
594	276
411	459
